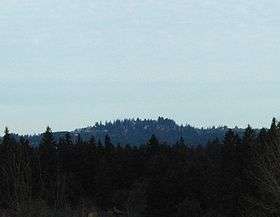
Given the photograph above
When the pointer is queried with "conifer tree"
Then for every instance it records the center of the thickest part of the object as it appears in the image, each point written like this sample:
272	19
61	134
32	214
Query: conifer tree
48	165
273	131
230	174
153	145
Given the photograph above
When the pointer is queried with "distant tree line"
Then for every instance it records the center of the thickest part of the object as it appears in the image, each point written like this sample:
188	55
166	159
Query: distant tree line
137	132
235	176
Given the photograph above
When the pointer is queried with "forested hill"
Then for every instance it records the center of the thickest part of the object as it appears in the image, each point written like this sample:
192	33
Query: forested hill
138	132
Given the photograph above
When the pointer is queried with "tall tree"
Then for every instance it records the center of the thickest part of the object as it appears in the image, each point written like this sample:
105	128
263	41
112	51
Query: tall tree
230	174
153	145
48	165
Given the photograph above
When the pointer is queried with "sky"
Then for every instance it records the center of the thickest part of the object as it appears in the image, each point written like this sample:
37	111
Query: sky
71	63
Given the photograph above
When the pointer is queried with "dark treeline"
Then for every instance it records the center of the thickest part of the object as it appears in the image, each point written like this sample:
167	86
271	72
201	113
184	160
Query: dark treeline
137	132
235	176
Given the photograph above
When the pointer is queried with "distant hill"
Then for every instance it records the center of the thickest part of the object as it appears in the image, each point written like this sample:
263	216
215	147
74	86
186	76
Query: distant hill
137	132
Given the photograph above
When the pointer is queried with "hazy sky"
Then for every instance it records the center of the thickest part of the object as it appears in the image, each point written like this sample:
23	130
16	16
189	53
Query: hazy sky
70	63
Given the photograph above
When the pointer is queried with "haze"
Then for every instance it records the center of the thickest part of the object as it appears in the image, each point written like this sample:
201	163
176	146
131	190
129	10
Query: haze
68	64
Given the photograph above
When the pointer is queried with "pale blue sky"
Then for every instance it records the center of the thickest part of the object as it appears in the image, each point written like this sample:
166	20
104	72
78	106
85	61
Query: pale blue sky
70	63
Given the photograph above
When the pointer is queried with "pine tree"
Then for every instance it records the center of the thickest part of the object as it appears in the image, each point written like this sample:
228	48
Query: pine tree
48	166
153	145
273	131
230	174
5	162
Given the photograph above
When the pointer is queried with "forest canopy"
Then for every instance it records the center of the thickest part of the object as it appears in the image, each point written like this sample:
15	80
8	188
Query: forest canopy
237	175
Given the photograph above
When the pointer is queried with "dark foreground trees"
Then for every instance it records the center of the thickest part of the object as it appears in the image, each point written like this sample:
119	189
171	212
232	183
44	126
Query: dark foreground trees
239	176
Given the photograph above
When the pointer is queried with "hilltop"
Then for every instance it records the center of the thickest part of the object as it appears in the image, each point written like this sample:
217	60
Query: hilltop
138	132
